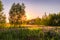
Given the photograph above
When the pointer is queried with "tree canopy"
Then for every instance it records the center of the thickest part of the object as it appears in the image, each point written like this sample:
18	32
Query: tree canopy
51	20
1	6
2	16
16	13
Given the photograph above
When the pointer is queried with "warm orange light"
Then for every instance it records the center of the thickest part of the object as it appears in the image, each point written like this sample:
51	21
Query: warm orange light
28	16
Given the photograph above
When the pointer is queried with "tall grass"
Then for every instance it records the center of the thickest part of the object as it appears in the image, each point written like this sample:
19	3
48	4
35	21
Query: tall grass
27	34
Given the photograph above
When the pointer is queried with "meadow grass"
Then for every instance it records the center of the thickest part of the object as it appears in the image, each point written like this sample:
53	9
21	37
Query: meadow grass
14	33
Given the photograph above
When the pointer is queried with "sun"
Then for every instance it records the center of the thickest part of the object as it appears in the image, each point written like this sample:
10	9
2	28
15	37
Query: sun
28	16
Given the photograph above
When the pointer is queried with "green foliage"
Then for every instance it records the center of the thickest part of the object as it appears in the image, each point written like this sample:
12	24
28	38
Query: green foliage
1	6
26	34
37	21
2	16
17	11
51	20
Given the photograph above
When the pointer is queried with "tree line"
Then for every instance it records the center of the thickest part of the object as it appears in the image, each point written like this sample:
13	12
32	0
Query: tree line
17	16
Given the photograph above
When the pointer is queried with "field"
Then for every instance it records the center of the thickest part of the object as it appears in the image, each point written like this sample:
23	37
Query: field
30	32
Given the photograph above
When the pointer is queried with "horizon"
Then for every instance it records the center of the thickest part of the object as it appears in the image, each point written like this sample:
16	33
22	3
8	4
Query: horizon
34	8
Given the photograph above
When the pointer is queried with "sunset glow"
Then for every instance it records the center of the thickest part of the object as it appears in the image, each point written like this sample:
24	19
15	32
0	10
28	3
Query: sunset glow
28	16
29	19
34	8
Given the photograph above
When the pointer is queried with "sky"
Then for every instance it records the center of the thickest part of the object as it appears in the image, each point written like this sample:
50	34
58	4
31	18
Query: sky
34	8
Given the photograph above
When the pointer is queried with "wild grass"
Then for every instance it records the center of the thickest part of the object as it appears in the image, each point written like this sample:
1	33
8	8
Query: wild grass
27	34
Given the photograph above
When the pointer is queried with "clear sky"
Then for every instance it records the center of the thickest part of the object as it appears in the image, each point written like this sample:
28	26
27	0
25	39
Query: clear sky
34	8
